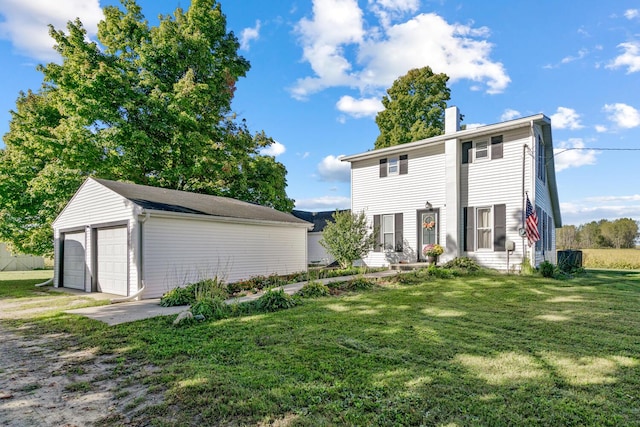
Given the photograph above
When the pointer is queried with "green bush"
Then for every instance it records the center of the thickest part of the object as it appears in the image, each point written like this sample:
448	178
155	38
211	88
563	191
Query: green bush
462	263
546	269
274	300
178	296
211	308
359	284
210	288
313	290
439	272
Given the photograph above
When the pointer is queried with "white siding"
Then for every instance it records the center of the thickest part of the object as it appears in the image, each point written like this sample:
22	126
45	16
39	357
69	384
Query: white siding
316	252
179	251
94	205
425	181
543	200
486	183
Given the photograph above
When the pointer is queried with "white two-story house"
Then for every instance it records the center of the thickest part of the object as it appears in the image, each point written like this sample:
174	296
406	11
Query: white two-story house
465	190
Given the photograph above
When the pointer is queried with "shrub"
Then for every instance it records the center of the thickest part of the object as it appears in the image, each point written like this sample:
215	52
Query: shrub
526	268
210	308
210	288
274	300
178	296
546	269
462	263
313	290
439	272
359	284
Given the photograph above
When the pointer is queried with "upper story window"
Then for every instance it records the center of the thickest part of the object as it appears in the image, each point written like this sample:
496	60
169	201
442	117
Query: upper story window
482	149
394	166
541	170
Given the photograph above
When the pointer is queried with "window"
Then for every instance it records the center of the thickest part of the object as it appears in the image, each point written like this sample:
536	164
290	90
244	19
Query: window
484	228
388	229
482	151
387	232
394	166
540	160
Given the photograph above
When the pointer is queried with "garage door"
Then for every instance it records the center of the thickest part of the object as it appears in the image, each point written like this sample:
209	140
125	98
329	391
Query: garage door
73	260
112	260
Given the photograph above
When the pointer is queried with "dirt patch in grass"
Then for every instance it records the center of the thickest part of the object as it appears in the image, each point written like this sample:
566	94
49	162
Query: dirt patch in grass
46	381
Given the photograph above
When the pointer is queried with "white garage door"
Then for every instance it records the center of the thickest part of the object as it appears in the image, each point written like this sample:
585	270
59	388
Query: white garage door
73	260
112	260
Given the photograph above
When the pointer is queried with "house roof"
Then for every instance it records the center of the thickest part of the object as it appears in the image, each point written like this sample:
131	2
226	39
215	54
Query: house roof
319	219
166	200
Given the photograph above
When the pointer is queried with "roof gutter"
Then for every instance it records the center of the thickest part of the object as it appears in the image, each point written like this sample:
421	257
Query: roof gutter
463	134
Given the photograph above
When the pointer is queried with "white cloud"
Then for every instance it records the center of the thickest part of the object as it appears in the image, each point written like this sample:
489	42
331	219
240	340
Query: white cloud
581	54
384	54
332	169
25	23
601	128
275	149
363	107
630	58
623	115
571	154
389	10
249	34
510	114
632	13
566	118
325	203
596	208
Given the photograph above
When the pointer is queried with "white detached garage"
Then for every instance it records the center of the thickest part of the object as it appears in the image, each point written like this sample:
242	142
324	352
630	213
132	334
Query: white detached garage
140	241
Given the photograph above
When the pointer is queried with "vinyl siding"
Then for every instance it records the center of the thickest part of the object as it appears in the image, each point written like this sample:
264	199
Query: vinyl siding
543	200
499	181
316	252
178	251
94	205
425	181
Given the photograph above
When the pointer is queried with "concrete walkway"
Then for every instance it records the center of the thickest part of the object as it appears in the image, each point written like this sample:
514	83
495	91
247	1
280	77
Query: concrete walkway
124	312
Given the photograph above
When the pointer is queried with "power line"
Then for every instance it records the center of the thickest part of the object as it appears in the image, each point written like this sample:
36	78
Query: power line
596	149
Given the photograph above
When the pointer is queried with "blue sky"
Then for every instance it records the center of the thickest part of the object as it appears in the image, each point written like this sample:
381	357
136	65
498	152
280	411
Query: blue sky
320	68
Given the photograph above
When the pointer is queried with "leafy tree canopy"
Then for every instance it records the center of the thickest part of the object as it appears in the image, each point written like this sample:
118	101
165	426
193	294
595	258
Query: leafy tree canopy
151	105
619	233
414	108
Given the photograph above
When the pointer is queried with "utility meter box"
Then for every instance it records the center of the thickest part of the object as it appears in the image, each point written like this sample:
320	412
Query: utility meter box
510	245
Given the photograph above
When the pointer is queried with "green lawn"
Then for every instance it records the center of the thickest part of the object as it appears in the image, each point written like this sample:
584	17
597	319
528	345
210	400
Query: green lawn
487	350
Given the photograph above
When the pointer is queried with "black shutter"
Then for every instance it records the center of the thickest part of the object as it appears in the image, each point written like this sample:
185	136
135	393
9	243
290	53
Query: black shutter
499	228
383	168
377	246
469	228
466	151
549	231
404	164
398	232
496	147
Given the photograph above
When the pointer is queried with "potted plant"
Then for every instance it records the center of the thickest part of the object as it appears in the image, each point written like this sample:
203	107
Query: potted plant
432	251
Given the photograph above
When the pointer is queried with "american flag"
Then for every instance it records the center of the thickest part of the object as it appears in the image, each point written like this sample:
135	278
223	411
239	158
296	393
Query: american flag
531	224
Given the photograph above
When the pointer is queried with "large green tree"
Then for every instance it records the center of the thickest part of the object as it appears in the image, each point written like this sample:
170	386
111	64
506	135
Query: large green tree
150	105
413	108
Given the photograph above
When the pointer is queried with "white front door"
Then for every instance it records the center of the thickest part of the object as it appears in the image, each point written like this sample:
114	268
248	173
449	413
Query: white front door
73	260
111	256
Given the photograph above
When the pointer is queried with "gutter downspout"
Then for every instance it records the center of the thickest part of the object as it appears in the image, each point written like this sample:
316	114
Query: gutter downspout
141	285
48	282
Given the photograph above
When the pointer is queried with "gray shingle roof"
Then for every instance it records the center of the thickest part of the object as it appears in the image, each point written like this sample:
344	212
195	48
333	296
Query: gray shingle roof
162	199
319	219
